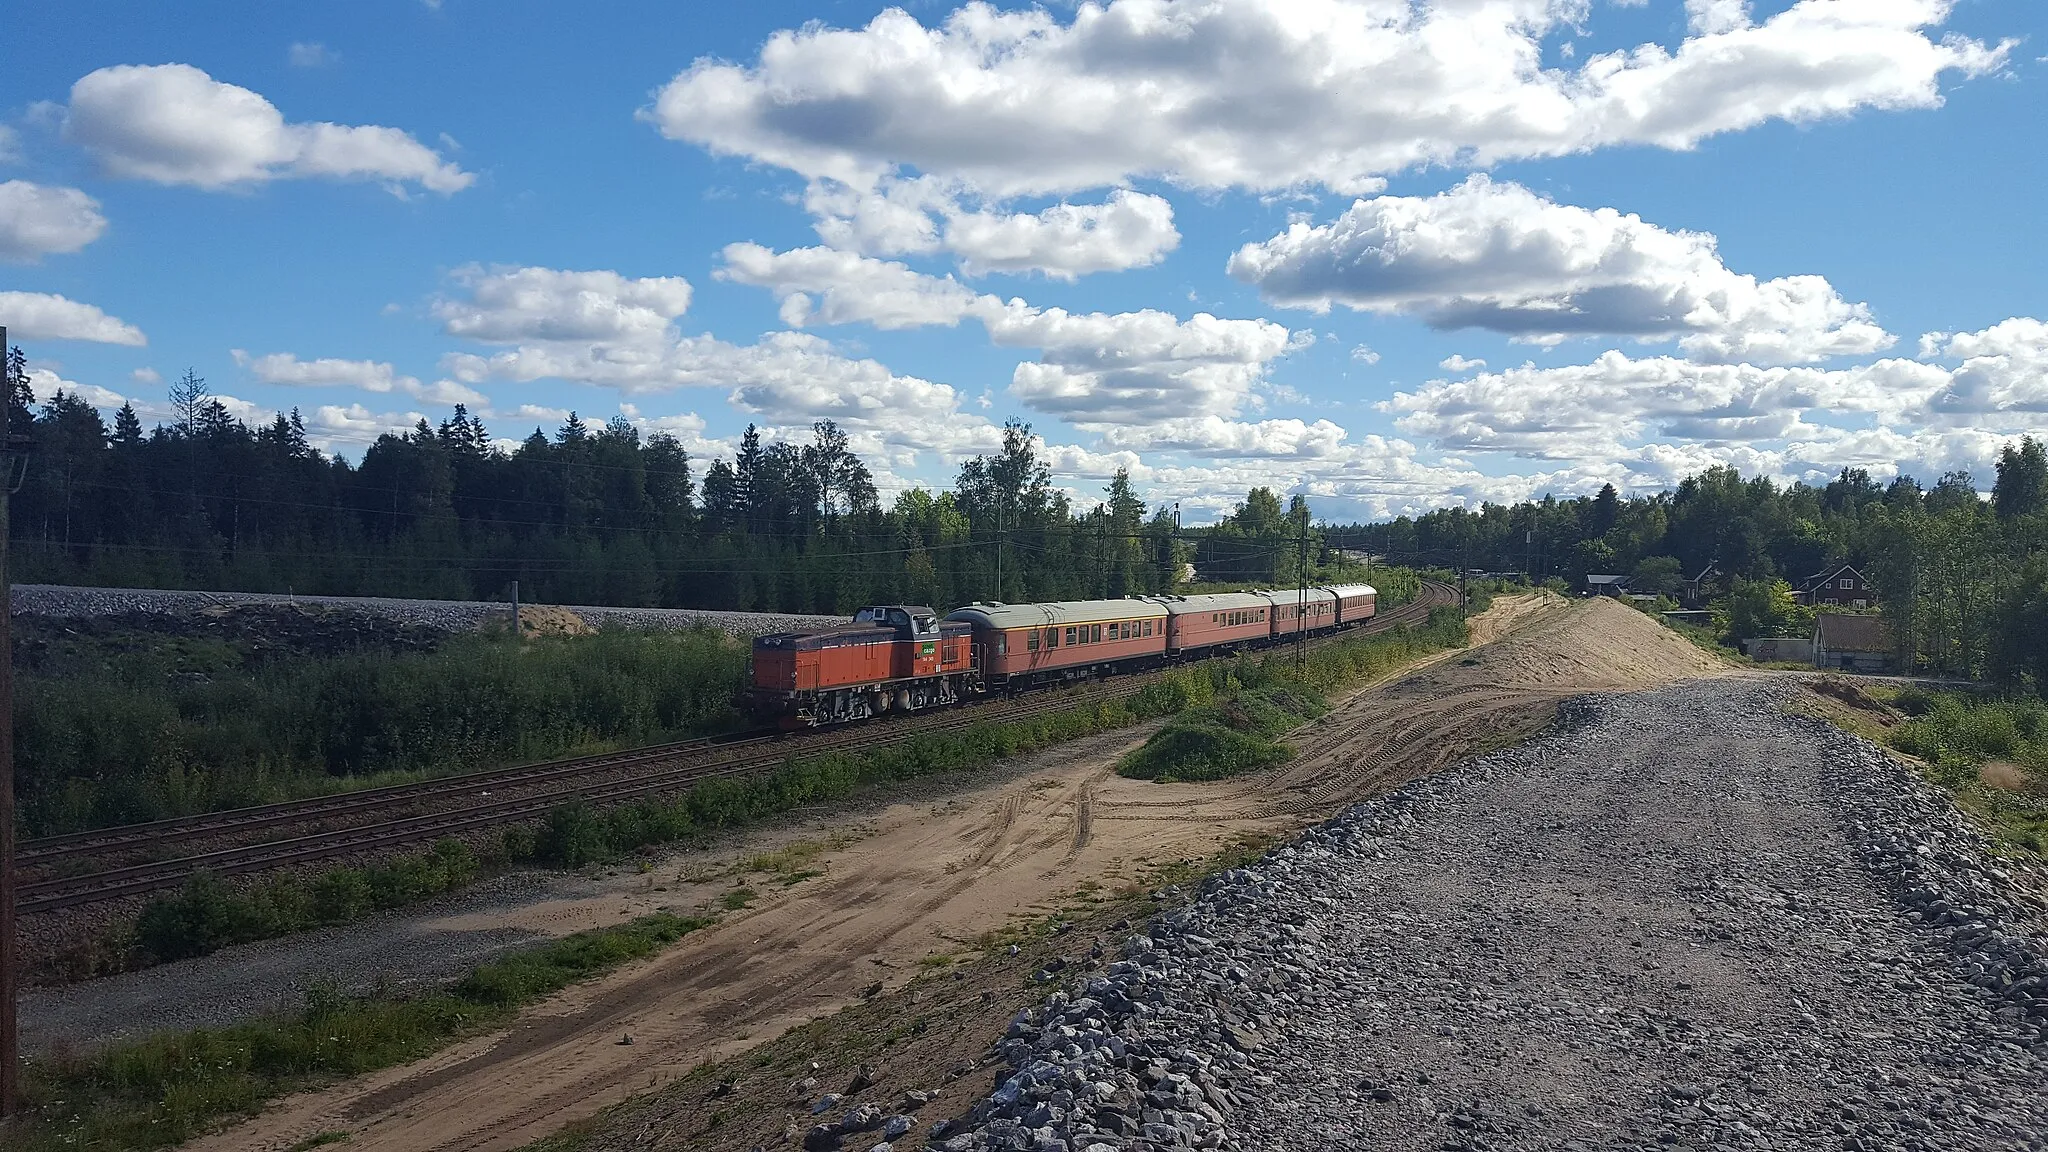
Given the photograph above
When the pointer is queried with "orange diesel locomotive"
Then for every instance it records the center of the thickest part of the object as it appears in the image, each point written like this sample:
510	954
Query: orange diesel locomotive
892	658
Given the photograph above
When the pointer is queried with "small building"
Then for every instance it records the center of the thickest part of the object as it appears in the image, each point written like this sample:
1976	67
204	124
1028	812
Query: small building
1852	642
1695	591
1839	587
1779	649
1606	585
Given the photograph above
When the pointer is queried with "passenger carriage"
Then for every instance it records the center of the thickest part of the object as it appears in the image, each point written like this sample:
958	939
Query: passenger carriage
1021	645
1356	603
1223	621
1299	610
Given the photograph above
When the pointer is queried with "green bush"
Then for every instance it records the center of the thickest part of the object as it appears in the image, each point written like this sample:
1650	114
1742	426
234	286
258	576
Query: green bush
1250	702
207	913
1914	700
1989	732
139	729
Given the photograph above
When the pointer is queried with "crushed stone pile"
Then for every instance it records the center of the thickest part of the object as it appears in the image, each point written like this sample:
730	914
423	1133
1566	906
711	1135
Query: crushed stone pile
1683	919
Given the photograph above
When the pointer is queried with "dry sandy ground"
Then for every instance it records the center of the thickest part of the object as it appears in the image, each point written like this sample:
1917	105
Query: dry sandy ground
932	878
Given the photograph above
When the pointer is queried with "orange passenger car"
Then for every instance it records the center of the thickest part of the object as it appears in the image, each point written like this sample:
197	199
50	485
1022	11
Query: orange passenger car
1356	603
1225	620
1022	644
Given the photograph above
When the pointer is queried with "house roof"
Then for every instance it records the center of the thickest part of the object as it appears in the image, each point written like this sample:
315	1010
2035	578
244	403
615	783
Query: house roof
1593	579
1709	570
1827	575
1847	632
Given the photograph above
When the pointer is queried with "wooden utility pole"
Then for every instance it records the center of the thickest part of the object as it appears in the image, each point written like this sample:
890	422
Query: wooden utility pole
9	982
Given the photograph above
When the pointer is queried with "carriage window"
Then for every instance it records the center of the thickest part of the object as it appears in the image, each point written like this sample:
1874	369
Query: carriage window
1031	640
1148	627
1095	634
1052	637
1002	643
1070	636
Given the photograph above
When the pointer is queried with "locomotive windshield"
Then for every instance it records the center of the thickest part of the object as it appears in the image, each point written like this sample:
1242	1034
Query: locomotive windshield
922	624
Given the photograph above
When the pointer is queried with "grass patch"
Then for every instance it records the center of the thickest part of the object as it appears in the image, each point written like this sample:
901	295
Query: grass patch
735	899
1960	736
207	913
1989	754
165	1089
1232	714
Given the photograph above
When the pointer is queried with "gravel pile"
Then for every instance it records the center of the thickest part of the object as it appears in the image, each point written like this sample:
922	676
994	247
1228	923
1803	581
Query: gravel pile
1686	919
446	615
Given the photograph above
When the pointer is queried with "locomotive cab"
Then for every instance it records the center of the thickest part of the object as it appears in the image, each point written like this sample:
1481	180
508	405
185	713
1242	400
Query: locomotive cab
910	623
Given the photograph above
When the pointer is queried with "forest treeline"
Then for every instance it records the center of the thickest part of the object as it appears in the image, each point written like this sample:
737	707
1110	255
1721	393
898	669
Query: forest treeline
587	515
1962	575
606	515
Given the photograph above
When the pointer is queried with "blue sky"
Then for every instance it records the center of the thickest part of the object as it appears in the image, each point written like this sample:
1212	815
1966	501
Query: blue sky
1219	243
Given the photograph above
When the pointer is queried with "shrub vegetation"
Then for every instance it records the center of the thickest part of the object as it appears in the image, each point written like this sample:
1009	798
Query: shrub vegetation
1958	735
131	728
1229	714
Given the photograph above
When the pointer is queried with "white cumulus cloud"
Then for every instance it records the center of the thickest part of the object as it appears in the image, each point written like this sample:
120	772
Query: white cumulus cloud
1274	94
37	220
369	375
44	316
1094	368
174	124
1065	241
1498	256
506	305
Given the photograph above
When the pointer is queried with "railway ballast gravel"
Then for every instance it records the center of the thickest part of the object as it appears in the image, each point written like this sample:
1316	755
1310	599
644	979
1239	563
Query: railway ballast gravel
1684	919
442	615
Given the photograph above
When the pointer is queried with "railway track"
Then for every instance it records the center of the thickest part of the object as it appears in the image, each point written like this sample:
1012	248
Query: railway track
59	871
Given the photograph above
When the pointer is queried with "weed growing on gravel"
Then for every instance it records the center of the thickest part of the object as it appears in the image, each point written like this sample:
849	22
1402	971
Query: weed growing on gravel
165	1089
207	913
1229	723
1958	736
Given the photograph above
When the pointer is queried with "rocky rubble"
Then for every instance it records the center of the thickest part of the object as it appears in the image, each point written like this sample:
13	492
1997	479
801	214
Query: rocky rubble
444	615
1684	919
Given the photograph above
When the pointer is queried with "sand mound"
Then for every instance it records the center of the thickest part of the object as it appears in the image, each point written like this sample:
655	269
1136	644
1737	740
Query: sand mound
1587	645
548	620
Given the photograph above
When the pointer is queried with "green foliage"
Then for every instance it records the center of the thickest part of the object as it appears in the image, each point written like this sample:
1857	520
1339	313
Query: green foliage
207	913
1396	586
1231	714
133	729
165	1089
1765	608
1957	735
2019	643
1948	726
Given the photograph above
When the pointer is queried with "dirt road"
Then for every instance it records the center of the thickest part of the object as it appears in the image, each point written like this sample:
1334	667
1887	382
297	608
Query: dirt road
933	878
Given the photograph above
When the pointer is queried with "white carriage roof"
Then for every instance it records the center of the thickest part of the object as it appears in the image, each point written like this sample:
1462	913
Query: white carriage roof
1353	589
1214	602
1289	596
1057	612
